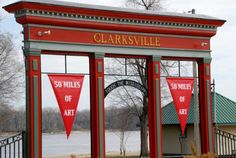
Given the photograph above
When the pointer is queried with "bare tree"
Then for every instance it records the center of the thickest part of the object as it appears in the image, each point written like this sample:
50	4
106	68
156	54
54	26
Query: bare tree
134	101
139	67
11	83
123	124
11	71
146	4
120	121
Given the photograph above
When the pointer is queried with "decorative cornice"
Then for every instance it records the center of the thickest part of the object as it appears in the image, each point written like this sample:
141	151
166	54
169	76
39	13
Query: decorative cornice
31	51
156	58
207	60
115	20
99	55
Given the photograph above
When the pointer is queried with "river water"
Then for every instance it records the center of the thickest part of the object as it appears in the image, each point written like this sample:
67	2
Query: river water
79	143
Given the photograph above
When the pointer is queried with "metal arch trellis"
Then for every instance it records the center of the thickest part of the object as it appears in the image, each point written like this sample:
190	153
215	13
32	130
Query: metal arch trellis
125	82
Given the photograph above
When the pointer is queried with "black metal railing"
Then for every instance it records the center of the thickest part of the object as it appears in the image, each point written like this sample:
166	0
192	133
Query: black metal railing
225	144
13	147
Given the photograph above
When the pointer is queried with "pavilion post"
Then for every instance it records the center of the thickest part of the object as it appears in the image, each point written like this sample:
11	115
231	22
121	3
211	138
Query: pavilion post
97	105
206	124
33	104
154	107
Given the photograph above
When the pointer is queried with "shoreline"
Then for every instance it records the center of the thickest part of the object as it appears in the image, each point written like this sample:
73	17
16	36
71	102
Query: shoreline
85	130
89	155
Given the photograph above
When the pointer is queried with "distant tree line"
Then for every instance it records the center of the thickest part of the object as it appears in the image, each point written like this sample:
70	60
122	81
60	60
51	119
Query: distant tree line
13	120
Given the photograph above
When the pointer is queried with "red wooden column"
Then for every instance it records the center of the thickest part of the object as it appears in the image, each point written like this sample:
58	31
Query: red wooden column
154	107
33	104
97	105
206	125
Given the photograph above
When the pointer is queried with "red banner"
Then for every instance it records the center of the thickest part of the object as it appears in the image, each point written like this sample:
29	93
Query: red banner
181	91
67	89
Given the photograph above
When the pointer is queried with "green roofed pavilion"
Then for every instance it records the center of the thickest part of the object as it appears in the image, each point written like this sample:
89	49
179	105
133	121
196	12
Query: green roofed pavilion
224	107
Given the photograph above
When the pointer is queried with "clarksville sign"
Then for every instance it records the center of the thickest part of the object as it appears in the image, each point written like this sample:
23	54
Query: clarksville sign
126	40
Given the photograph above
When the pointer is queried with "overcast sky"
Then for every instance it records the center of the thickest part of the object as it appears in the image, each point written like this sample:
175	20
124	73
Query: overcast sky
223	45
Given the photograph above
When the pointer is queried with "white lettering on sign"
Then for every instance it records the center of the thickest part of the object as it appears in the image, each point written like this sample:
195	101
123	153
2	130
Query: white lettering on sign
69	84
66	84
181	86
183	111
68	98
173	86
69	112
57	84
182	99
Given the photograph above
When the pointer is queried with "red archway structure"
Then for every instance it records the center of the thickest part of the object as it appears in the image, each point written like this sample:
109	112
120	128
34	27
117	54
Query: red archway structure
53	27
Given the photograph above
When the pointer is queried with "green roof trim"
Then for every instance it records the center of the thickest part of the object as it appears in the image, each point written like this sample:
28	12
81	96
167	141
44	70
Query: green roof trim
225	112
